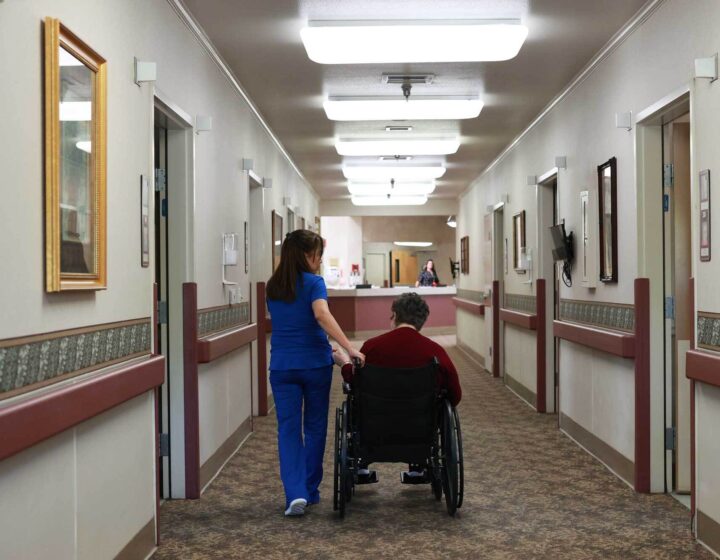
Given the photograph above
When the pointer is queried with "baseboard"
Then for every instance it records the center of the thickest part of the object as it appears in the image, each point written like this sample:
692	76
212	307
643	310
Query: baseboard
708	532
474	356
141	545
271	402
212	466
520	390
609	456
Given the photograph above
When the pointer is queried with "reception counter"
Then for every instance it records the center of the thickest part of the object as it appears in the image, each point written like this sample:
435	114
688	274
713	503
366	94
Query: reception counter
367	311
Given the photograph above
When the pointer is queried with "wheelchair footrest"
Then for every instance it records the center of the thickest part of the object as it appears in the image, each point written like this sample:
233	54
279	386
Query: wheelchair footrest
407	478
369	478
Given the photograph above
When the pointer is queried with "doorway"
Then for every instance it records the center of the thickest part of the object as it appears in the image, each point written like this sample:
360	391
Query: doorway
678	298
375	273
547	212
174	266
499	270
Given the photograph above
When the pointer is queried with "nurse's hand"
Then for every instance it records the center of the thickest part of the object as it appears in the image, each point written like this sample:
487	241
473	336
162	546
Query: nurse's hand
355	354
340	357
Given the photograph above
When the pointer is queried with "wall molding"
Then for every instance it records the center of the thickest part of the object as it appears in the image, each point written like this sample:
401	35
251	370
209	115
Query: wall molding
471	295
31	362
142	545
211	468
703	366
708	532
617	343
519	319
520	302
609	456
708	331
214	319
472	354
602	314
216	345
520	390
469	306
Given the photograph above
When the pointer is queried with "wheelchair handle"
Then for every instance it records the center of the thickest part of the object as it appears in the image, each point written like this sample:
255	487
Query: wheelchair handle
356	363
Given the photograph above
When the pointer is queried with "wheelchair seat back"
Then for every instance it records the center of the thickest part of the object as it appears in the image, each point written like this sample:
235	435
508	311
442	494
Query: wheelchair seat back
396	412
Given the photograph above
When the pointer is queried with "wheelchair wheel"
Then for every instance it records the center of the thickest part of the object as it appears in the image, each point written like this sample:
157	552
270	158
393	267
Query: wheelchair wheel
461	469
336	473
450	457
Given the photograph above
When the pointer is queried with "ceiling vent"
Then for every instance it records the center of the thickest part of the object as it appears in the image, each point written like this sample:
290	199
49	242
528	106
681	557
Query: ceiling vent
391	78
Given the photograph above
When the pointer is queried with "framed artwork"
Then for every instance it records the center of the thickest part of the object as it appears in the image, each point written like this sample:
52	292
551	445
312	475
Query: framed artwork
75	156
144	222
246	247
277	238
465	255
705	231
519	241
607	207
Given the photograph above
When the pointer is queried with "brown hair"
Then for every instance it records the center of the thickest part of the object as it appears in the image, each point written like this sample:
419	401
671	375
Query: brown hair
410	309
293	262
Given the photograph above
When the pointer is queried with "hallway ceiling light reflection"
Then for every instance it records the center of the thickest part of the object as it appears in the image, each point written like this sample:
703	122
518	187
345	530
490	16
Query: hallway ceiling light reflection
399	189
412	243
401	41
389	200
396	108
75	110
396	147
387	172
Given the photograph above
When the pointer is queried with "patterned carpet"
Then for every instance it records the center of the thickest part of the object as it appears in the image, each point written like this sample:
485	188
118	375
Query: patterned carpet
530	493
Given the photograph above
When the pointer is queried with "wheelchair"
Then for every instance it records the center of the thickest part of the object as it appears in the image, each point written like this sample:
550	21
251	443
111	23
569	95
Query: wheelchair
396	415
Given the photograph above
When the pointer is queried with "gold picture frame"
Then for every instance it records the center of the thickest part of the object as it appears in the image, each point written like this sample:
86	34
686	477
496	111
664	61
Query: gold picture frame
75	162
519	245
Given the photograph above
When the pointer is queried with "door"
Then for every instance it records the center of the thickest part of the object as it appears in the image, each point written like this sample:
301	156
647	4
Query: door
499	270
375	269
405	268
678	299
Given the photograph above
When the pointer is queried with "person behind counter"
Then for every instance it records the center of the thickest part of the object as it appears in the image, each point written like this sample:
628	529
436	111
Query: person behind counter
428	276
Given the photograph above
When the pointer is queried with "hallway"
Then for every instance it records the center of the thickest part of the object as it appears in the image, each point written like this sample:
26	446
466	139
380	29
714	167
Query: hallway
530	493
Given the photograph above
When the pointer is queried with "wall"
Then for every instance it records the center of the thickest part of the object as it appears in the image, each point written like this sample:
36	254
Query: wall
343	245
186	75
653	61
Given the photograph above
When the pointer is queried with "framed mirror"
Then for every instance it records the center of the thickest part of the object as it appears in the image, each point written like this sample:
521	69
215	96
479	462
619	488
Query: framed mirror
75	171
277	238
607	206
519	241
465	255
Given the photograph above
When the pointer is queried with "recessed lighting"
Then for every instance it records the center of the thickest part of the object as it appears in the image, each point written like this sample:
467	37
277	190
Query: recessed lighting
389	200
404	147
399	41
413	243
449	107
398	189
452	221
387	172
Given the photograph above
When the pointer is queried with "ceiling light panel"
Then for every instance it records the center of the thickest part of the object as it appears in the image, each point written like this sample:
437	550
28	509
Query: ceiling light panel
386	173
389	200
398	108
404	147
413	243
366	42
399	189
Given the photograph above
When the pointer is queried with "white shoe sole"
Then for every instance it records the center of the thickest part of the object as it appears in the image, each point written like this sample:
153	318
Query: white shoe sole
296	508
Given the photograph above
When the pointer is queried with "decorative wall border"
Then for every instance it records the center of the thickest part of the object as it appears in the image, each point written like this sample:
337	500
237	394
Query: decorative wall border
606	315
471	295
708	331
215	319
520	302
31	362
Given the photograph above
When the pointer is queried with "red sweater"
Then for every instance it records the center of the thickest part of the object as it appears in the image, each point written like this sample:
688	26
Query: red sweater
405	347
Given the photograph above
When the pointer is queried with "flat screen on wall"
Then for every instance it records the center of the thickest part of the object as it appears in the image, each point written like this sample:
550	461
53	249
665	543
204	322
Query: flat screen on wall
562	243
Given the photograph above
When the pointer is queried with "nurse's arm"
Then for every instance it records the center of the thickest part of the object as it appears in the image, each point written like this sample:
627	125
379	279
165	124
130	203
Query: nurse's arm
330	326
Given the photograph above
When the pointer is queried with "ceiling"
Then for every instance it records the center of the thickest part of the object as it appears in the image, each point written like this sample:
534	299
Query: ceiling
260	41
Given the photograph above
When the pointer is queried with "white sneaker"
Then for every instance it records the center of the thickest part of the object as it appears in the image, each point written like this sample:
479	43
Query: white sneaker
296	507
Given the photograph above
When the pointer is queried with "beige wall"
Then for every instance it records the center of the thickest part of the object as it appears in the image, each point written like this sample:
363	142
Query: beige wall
655	60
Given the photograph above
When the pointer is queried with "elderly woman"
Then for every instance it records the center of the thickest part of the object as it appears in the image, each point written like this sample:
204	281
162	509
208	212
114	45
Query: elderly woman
405	347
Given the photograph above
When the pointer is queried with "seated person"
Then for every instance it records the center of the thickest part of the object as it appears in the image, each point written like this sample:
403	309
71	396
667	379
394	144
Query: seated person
405	347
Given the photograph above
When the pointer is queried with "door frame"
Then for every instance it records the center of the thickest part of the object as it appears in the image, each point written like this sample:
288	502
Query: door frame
650	250
547	201
500	268
181	269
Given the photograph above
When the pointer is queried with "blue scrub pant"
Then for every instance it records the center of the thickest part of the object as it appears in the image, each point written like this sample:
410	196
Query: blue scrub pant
298	391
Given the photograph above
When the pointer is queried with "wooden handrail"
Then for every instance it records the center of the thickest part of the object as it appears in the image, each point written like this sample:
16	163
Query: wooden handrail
703	366
32	419
469	305
519	318
218	344
617	343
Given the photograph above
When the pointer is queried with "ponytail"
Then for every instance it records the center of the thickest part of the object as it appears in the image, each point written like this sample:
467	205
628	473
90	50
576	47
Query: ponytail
293	262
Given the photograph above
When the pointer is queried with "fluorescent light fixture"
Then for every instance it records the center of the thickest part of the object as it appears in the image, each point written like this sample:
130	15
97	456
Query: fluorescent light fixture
413	243
399	189
387	172
398	128
83	145
395	158
452	221
428	107
389	200
401	41
393	147
75	111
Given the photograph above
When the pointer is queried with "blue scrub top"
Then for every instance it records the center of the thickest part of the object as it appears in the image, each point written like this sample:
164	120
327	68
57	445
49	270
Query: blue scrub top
298	341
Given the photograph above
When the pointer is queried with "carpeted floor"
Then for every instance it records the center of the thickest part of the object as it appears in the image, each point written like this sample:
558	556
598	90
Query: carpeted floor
530	493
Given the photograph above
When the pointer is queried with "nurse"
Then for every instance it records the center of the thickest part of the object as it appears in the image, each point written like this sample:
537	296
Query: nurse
301	364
